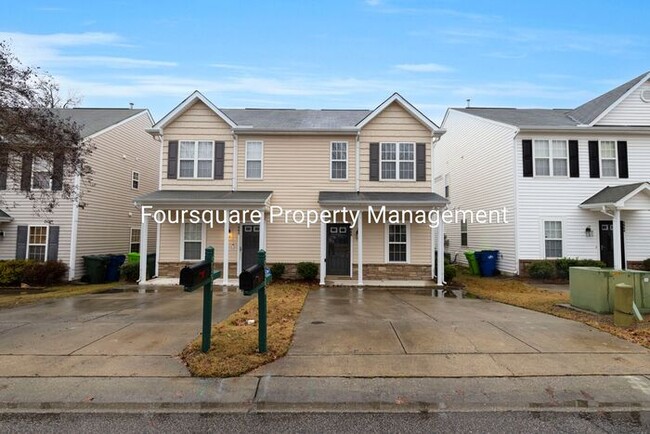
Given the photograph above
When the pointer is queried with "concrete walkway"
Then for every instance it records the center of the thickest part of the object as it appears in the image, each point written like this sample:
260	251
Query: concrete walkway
352	333
115	334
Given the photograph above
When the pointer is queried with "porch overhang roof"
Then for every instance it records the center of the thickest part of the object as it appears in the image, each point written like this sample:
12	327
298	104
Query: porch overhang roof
4	217
620	197
206	199
389	199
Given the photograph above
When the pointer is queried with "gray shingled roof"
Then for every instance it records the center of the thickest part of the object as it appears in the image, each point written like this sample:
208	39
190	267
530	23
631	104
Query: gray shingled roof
92	120
524	117
587	112
4	217
294	119
379	198
205	197
609	195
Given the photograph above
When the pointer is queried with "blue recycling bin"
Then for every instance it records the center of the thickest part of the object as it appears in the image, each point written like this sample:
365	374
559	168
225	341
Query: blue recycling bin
113	268
487	262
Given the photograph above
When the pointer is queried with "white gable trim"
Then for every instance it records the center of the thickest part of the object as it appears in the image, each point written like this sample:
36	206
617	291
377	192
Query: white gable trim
187	102
620	100
396	97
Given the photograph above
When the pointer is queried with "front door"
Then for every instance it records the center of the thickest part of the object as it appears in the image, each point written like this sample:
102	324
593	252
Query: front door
338	249
250	242
606	230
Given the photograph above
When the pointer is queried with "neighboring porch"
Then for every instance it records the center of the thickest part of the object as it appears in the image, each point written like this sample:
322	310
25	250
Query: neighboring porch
236	245
377	254
613	205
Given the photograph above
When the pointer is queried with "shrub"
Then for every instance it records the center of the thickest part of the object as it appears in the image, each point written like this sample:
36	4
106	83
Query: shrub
646	264
277	270
450	273
307	270
43	273
542	270
130	271
562	265
11	272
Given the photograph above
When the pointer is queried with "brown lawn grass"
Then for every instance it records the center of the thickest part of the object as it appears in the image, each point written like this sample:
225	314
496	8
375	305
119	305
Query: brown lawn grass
60	291
234	343
514	291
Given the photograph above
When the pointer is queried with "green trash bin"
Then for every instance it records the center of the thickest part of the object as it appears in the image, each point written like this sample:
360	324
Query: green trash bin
96	266
473	263
133	258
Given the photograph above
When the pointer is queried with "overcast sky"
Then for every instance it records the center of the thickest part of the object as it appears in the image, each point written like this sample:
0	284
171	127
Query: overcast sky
333	54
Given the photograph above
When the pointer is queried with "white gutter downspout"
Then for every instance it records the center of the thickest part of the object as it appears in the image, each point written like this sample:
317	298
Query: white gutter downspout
434	140
357	164
158	226
516	210
235	147
74	229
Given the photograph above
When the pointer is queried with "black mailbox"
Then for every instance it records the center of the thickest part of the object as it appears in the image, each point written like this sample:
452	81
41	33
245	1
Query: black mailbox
195	276
251	278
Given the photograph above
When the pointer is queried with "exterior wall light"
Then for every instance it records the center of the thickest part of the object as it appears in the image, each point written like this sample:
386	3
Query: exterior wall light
588	232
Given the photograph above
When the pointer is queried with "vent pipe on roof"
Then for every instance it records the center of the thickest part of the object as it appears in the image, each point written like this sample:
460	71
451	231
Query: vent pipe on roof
468	102
131	105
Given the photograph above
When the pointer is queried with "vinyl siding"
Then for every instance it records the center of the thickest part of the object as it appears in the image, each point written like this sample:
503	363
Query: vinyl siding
394	124
198	122
631	111
105	222
478	157
552	198
170	250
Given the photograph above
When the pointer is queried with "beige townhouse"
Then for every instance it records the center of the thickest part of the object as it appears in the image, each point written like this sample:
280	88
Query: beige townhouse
275	164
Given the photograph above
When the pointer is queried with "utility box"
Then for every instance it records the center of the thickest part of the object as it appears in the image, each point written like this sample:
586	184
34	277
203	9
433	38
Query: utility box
251	279
592	288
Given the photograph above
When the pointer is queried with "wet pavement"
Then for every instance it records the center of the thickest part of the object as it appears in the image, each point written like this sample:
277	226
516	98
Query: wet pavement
121	333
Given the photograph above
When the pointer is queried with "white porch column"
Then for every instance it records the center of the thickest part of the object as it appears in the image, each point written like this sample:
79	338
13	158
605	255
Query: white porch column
433	253
441	253
144	236
158	229
226	247
263	232
360	251
618	263
323	252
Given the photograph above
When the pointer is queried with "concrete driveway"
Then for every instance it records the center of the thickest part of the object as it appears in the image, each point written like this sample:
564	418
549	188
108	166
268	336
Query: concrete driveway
379	333
114	334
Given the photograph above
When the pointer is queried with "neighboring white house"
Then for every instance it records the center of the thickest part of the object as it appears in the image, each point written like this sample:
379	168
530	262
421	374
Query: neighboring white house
126	164
575	182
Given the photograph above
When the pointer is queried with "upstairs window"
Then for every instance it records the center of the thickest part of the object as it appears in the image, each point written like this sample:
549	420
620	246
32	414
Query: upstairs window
551	157
254	158
41	174
135	180
447	186
196	159
397	161
339	160
608	166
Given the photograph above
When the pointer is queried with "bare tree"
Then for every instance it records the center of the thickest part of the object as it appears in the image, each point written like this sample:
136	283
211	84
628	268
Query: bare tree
42	152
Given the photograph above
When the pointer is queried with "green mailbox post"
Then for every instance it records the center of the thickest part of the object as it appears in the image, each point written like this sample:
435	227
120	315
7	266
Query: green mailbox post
192	278
254	280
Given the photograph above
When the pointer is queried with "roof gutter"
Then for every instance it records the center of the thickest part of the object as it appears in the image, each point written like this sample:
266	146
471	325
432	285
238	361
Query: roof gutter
244	130
622	129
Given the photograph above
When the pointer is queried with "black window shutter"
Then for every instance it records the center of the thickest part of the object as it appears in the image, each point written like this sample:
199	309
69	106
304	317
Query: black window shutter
57	173
4	167
172	159
374	161
527	150
574	161
594	164
421	162
53	244
219	153
21	242
26	176
623	171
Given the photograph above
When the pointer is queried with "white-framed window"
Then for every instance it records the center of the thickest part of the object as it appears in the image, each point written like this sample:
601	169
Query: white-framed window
192	236
608	163
195	159
397	243
254	159
551	157
134	241
339	160
447	186
37	243
397	162
463	233
135	180
553	238
41	174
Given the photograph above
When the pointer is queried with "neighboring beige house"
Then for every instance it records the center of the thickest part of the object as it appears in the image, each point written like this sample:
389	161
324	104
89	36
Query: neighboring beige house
125	166
240	160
